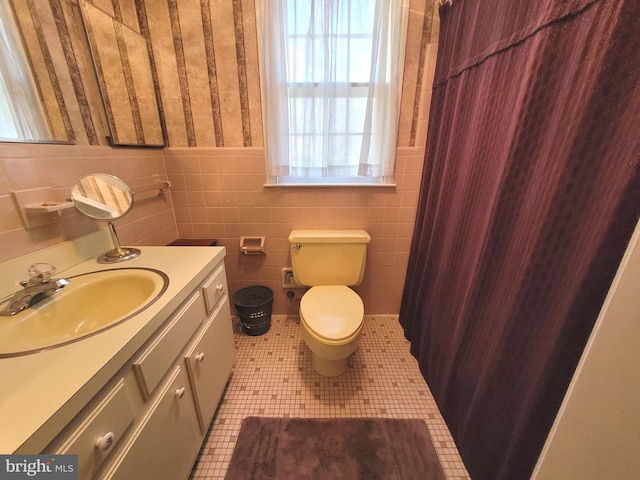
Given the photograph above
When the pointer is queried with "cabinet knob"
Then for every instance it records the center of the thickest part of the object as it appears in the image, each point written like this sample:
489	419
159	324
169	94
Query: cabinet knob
104	442
180	392
220	288
200	357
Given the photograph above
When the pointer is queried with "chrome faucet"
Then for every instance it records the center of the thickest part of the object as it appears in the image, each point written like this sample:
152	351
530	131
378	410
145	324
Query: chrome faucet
39	286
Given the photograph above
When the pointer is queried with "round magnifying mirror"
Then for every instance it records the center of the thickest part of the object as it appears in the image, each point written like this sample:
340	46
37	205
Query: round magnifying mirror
106	198
102	196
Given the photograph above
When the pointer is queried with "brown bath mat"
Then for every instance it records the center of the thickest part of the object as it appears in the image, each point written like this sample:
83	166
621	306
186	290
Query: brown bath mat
334	448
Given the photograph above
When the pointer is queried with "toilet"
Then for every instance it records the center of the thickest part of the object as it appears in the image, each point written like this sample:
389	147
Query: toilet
331	313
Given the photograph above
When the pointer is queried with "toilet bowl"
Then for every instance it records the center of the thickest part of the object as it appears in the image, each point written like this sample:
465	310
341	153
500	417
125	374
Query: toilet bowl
331	319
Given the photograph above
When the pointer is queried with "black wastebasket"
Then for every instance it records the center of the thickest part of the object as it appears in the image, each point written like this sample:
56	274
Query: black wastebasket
253	305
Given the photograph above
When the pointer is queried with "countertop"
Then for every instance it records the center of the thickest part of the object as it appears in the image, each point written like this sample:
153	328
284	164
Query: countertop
43	391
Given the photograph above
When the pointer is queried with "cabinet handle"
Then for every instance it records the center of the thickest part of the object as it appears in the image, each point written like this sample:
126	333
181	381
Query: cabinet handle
200	357
180	392
220	288
104	442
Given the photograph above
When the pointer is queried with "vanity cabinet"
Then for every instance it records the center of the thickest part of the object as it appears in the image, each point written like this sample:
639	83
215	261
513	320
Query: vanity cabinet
164	442
150	420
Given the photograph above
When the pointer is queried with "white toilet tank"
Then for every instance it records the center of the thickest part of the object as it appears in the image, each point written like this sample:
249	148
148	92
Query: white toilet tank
328	257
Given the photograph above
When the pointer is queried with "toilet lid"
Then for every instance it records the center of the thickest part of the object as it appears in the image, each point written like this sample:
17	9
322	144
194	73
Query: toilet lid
332	312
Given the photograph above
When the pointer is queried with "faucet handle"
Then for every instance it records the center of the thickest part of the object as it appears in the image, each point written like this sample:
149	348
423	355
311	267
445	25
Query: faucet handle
41	272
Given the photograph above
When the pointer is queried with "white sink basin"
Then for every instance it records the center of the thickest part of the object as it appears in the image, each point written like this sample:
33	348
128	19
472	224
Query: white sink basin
91	303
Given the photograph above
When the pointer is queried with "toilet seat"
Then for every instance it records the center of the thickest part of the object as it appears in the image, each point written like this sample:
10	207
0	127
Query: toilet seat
333	313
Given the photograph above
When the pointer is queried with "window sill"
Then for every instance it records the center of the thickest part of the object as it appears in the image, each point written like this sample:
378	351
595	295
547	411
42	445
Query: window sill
329	185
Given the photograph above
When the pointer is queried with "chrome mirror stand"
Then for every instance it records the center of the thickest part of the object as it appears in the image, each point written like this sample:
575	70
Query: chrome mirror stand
118	253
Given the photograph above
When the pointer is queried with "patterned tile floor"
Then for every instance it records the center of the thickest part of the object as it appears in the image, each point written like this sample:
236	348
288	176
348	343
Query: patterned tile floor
273	377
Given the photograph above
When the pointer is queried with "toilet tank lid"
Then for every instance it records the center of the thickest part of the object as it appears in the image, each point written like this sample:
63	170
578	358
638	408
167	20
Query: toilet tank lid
329	236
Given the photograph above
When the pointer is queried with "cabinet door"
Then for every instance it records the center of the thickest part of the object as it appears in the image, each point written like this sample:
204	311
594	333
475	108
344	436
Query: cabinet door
97	435
209	363
166	442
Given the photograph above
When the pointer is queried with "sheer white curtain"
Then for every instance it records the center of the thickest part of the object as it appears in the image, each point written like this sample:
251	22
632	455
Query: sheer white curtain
21	114
331	79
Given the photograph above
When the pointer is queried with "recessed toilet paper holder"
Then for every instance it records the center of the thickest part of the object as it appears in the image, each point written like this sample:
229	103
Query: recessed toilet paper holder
252	245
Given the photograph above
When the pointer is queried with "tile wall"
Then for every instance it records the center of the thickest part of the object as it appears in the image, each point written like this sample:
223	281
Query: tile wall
30	166
220	193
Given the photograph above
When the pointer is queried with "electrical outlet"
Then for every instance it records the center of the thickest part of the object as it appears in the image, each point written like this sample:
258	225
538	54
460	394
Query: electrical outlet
287	279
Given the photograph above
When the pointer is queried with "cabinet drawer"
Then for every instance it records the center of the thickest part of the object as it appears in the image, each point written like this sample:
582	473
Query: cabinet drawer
214	289
209	363
156	359
165	443
96	436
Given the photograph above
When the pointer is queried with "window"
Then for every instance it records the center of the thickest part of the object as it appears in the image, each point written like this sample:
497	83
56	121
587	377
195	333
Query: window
21	115
331	74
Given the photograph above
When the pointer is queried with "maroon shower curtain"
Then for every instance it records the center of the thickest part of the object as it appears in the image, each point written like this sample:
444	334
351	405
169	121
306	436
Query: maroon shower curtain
530	192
